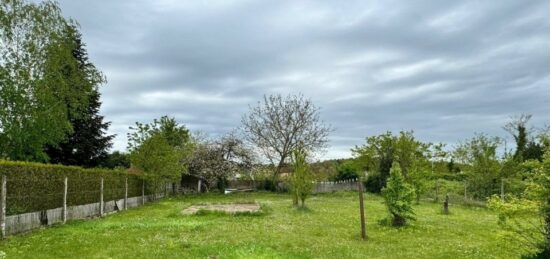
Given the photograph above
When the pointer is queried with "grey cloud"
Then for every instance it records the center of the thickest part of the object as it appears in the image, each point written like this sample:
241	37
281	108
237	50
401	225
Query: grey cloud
443	69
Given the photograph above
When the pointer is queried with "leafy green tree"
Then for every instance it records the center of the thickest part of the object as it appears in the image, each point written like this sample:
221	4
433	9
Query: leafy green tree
526	218
157	160
483	166
346	170
87	145
301	180
36	79
398	197
160	148
380	152
116	159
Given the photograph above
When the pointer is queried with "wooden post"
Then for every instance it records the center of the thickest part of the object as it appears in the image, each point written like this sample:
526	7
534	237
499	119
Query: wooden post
436	190
165	190
446	204
199	186
465	191
101	198
502	189
64	213
142	192
126	194
3	194
362	211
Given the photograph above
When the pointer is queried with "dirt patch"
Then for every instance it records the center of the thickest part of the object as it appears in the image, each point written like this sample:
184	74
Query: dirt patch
227	208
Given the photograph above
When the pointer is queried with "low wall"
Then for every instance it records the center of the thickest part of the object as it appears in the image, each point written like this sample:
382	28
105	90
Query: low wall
32	220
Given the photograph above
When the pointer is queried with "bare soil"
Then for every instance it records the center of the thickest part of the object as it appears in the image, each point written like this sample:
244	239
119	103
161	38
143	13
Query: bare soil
228	208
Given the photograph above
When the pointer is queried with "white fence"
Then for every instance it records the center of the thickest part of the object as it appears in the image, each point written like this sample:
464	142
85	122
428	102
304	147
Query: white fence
345	185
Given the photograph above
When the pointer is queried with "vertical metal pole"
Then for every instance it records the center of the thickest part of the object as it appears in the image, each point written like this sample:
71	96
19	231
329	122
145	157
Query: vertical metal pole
126	194
101	198
362	211
3	194
64	214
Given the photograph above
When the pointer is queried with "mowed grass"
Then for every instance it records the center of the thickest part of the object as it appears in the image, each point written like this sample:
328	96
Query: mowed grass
329	228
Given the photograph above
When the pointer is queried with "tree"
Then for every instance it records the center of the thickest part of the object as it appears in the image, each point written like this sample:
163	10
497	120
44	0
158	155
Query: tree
279	124
484	168
160	148
116	159
216	160
157	160
380	152
36	75
301	181
398	197
526	218
87	145
517	127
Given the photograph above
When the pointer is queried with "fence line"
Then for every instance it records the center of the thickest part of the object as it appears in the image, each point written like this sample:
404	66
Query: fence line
334	186
24	222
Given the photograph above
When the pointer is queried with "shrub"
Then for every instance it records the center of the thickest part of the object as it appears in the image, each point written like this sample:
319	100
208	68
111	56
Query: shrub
35	187
373	183
398	197
301	179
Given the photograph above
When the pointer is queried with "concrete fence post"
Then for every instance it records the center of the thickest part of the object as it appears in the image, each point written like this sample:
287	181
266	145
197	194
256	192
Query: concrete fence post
142	192
65	188
126	194
3	194
101	198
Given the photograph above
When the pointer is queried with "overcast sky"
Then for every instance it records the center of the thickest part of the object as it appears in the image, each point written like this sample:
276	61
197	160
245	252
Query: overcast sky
443	69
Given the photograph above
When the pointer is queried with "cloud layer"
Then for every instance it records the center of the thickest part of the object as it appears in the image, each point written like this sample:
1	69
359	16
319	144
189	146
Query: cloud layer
444	70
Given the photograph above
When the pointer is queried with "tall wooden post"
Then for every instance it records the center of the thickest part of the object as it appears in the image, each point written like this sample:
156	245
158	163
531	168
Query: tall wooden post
142	192
446	204
199	186
126	194
362	210
65	187
3	194
465	191
101	198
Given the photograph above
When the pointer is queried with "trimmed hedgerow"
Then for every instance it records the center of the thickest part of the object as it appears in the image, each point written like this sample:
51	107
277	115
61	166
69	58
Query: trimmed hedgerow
36	187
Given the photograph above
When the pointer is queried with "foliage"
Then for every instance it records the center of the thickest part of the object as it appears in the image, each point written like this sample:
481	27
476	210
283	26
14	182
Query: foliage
398	197
526	219
484	168
159	149
347	170
116	159
37	75
87	145
301	180
34	187
279	124
380	152
157	159
214	161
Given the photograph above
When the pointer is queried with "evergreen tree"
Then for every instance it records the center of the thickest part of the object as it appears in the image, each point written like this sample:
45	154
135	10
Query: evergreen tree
398	197
87	145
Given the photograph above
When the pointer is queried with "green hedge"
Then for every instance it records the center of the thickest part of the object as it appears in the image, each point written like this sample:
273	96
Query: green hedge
36	187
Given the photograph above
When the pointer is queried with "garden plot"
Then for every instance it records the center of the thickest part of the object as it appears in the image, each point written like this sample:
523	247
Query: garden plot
227	208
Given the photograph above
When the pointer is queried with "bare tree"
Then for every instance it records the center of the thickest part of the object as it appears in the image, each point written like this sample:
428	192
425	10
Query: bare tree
279	124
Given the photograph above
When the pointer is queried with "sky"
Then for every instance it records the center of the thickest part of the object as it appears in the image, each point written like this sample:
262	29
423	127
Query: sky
445	69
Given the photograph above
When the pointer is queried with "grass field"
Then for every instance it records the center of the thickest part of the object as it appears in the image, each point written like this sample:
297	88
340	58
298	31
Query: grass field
328	229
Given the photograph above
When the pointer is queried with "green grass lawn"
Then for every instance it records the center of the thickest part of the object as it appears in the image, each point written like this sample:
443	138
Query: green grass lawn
328	229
